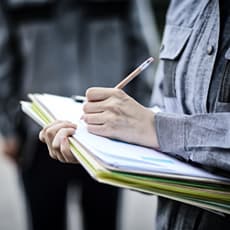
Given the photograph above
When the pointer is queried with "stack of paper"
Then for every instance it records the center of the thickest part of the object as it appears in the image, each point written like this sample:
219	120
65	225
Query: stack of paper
131	166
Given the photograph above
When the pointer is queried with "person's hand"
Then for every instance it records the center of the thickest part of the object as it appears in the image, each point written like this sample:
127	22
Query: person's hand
110	112
56	136
10	147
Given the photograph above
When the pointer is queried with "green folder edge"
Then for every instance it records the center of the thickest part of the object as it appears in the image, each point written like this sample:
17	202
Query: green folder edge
129	182
139	183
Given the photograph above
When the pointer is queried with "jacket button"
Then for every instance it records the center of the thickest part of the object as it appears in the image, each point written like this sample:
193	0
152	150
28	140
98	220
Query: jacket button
210	49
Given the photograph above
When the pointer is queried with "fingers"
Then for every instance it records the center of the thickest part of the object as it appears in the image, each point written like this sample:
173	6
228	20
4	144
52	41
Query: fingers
60	135
104	99
50	131
64	154
51	152
93	107
56	136
99	93
65	150
94	118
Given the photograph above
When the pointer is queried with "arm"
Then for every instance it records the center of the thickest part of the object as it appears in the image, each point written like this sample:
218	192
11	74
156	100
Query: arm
201	138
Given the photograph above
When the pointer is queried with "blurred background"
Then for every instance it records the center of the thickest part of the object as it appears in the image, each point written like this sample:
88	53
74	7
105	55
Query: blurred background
38	39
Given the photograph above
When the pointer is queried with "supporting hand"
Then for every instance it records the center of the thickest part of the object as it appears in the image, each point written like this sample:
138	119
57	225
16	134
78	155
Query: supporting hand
56	136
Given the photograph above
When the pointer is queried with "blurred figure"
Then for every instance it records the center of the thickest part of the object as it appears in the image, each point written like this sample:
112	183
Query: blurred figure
64	47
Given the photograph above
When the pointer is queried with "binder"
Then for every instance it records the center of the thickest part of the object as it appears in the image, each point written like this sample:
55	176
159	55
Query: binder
131	166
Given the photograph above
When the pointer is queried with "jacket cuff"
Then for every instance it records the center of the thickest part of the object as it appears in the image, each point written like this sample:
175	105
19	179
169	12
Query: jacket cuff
170	130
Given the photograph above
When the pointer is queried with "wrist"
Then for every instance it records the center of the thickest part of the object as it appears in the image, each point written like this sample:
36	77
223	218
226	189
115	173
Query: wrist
150	131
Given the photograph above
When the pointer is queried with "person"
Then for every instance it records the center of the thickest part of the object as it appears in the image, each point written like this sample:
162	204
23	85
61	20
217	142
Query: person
63	47
192	92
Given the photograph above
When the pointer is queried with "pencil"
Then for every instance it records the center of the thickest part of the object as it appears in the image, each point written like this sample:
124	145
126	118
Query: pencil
125	81
135	73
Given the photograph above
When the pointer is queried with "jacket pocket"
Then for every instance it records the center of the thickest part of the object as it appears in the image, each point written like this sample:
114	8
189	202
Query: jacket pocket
224	95
174	41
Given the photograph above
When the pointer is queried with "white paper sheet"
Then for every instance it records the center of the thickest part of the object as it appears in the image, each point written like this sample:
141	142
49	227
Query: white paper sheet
115	153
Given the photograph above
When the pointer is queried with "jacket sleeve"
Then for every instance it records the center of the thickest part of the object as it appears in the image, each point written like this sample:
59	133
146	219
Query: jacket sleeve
8	105
200	138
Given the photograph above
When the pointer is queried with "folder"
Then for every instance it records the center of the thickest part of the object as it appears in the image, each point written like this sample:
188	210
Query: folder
132	166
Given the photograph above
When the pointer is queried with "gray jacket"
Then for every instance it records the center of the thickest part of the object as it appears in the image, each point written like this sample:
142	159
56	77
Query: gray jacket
196	121
64	47
192	89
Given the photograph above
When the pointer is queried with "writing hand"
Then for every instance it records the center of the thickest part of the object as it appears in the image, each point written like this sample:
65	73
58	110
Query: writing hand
110	112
